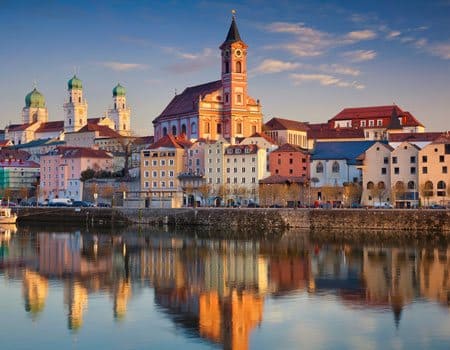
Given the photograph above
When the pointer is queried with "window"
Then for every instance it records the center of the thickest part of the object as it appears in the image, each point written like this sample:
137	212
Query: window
235	170
335	167
394	160
171	184
383	171
424	170
146	173
291	171
319	168
227	98
239	98
227	67
396	171
171	173
243	180
412	160
155	174
279	161
413	170
371	122
174	130
193	128
386	160
291	161
171	161
253	129
183	129
219	128
235	180
228	180
444	170
363	123
243	170
441	189
253	169
428	192
441	159
238	67
370	185
379	122
207	130
163	184
411	185
239	128
228	170
424	159
381	185
163	162
218	180
218	170
146	163
146	184
163	173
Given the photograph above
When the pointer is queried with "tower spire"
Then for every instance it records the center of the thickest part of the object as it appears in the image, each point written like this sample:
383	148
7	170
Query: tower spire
233	33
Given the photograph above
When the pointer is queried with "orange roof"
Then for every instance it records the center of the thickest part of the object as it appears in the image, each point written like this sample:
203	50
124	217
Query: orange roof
102	130
287	147
286	124
80	152
415	136
168	141
19	127
51	126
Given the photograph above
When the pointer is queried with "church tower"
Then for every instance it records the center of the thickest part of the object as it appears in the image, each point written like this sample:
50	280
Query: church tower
120	113
75	109
234	83
35	109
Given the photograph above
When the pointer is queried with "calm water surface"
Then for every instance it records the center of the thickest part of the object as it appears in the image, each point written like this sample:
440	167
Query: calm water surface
149	290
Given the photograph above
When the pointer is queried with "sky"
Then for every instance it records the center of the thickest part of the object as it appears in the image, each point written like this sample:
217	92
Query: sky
307	60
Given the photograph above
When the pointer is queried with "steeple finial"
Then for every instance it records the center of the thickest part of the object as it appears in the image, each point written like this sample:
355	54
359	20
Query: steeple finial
233	13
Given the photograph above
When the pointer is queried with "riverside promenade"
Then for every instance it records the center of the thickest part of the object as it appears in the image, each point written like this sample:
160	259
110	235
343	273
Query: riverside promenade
422	222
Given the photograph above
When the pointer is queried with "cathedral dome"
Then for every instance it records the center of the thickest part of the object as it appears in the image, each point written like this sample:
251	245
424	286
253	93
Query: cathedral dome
74	83
35	99
119	90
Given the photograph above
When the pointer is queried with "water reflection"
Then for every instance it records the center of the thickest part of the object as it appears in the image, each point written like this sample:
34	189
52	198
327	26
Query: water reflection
216	289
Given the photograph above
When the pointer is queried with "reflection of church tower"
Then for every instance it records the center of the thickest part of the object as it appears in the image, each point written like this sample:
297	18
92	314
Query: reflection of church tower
35	109
35	291
76	108
120	113
122	294
76	298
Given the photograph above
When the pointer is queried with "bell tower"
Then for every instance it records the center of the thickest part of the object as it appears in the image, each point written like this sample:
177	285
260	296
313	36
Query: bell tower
234	82
120	113
76	108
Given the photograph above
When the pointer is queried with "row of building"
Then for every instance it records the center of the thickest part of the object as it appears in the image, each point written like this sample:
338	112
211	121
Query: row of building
210	146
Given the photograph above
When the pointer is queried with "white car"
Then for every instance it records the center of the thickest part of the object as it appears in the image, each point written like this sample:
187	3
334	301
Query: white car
383	205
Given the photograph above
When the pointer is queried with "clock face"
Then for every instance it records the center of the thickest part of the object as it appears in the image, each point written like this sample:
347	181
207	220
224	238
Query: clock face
238	53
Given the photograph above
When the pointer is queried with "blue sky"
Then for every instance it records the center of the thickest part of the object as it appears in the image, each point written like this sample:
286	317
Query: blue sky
307	59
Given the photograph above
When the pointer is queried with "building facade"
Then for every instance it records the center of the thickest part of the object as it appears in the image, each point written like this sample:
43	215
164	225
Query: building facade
216	109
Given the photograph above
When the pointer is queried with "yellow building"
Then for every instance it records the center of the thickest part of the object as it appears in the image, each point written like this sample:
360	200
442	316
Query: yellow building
161	163
218	108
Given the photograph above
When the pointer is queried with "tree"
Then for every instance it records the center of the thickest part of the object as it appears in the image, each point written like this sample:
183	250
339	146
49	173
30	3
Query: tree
23	192
330	193
352	193
107	192
294	193
87	174
426	191
204	190
128	146
378	191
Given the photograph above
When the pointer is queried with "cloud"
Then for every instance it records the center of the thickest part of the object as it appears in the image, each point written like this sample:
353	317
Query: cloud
360	35
393	34
441	50
360	55
420	43
339	69
275	66
123	66
324	80
190	62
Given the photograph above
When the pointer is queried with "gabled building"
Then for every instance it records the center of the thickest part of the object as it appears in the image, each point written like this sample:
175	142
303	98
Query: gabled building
61	170
376	174
161	163
290	161
221	108
434	175
288	131
404	163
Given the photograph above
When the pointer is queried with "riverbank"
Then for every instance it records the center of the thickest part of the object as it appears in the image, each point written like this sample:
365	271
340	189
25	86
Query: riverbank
258	219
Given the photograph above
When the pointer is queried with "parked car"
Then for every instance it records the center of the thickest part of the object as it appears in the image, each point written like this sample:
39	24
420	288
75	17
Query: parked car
84	204
437	206
356	205
383	205
104	205
60	202
253	205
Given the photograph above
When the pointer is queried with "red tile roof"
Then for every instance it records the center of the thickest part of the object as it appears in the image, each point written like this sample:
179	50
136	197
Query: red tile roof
376	112
278	179
103	130
18	127
187	101
415	136
51	126
6	163
168	141
15	154
287	147
323	131
5	143
285	124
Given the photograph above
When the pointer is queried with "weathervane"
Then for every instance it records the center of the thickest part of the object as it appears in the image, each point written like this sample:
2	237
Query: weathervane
233	13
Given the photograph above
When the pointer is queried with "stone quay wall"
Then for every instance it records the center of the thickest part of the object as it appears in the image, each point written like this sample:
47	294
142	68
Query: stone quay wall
257	219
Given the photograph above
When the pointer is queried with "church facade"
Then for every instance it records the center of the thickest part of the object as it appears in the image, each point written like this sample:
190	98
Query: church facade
35	124
219	108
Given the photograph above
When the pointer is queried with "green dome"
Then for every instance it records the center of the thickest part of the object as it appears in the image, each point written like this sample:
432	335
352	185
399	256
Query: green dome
119	90
35	99
74	83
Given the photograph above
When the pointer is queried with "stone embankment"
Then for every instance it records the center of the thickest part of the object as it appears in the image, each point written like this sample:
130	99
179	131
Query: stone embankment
258	219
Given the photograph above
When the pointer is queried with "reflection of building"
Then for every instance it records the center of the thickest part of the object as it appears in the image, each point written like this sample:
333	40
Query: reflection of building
434	268
76	298
122	293
289	273
35	291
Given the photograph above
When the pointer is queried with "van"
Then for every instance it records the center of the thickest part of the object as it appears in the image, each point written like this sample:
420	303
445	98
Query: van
383	205
60	202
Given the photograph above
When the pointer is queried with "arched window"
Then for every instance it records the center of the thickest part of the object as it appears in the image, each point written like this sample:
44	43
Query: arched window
411	185
335	167
319	168
124	127
227	67
174	130
239	128
79	99
370	185
193	128
207	128
164	131
441	188
428	189
183	129
123	105
238	67
381	185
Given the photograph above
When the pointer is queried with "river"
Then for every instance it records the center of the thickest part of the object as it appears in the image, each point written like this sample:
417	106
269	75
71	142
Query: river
69	288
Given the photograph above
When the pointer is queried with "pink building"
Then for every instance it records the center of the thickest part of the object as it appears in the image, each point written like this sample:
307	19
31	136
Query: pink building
61	170
196	157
